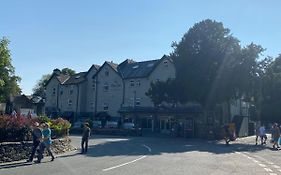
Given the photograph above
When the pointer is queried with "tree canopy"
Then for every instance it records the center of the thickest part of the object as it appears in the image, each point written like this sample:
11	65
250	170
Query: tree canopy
8	80
212	67
271	92
68	71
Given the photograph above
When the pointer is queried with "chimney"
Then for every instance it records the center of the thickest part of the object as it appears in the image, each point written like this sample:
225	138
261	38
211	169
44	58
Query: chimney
56	71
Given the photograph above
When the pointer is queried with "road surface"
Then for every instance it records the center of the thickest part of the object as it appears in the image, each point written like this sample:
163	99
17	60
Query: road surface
111	155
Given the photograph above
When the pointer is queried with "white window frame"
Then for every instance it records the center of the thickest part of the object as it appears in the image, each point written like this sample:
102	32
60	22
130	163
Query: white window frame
105	106
132	83
69	102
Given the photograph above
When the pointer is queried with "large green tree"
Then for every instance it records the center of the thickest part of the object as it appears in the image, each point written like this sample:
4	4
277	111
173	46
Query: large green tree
202	58
271	92
8	80
211	67
40	85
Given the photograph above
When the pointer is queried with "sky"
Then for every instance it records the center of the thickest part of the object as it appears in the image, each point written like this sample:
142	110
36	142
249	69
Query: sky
50	34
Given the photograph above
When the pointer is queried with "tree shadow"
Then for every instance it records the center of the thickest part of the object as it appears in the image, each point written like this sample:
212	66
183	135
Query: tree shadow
134	146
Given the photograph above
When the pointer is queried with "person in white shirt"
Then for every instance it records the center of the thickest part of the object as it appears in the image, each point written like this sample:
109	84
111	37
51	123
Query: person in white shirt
263	135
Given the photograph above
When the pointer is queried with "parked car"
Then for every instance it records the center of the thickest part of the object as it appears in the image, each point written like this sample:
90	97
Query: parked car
111	124
131	129
97	124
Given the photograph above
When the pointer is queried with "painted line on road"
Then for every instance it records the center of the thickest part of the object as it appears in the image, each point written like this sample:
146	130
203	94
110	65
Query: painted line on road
118	166
268	169
276	166
262	165
147	147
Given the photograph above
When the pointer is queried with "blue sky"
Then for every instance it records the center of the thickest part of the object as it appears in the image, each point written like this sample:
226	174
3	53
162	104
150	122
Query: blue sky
53	34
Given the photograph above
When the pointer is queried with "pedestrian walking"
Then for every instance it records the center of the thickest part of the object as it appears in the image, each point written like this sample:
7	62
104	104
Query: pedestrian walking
275	135
263	136
257	130
36	138
85	138
46	144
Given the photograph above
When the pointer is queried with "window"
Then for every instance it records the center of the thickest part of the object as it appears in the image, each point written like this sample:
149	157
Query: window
165	63
138	83
105	106
138	102
132	83
105	87
106	73
54	91
150	65
61	92
71	90
94	84
92	105
69	102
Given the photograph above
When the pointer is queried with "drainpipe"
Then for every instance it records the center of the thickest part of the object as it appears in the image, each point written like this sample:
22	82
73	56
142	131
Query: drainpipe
77	100
58	90
96	95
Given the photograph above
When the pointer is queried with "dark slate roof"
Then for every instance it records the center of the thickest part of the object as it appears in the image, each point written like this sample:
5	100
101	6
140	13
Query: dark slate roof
113	65
62	78
137	69
96	66
76	78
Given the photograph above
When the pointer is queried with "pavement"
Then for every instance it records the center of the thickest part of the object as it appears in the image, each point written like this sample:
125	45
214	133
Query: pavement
152	155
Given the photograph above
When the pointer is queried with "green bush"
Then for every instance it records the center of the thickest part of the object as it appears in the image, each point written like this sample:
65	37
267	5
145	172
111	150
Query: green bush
18	128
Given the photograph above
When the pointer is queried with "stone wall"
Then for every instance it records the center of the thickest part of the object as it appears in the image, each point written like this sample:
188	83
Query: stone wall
14	151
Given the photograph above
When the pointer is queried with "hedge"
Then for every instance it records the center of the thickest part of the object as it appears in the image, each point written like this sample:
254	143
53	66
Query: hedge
18	128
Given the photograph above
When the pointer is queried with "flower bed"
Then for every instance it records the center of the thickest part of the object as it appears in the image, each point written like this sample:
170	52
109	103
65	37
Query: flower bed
18	128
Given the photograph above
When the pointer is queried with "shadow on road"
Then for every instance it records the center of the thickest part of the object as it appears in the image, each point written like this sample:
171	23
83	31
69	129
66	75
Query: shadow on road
13	165
133	146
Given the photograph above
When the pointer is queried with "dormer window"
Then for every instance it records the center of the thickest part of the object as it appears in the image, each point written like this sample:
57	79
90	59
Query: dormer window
136	66
150	64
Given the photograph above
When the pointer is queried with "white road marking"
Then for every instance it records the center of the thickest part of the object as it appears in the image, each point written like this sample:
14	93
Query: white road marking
268	169
127	163
276	166
149	149
260	164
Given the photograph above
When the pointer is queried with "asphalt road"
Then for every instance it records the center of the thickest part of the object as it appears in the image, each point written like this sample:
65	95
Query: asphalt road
156	156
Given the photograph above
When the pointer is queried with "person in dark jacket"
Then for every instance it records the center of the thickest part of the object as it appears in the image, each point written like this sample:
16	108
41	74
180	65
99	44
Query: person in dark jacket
275	135
36	138
85	138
